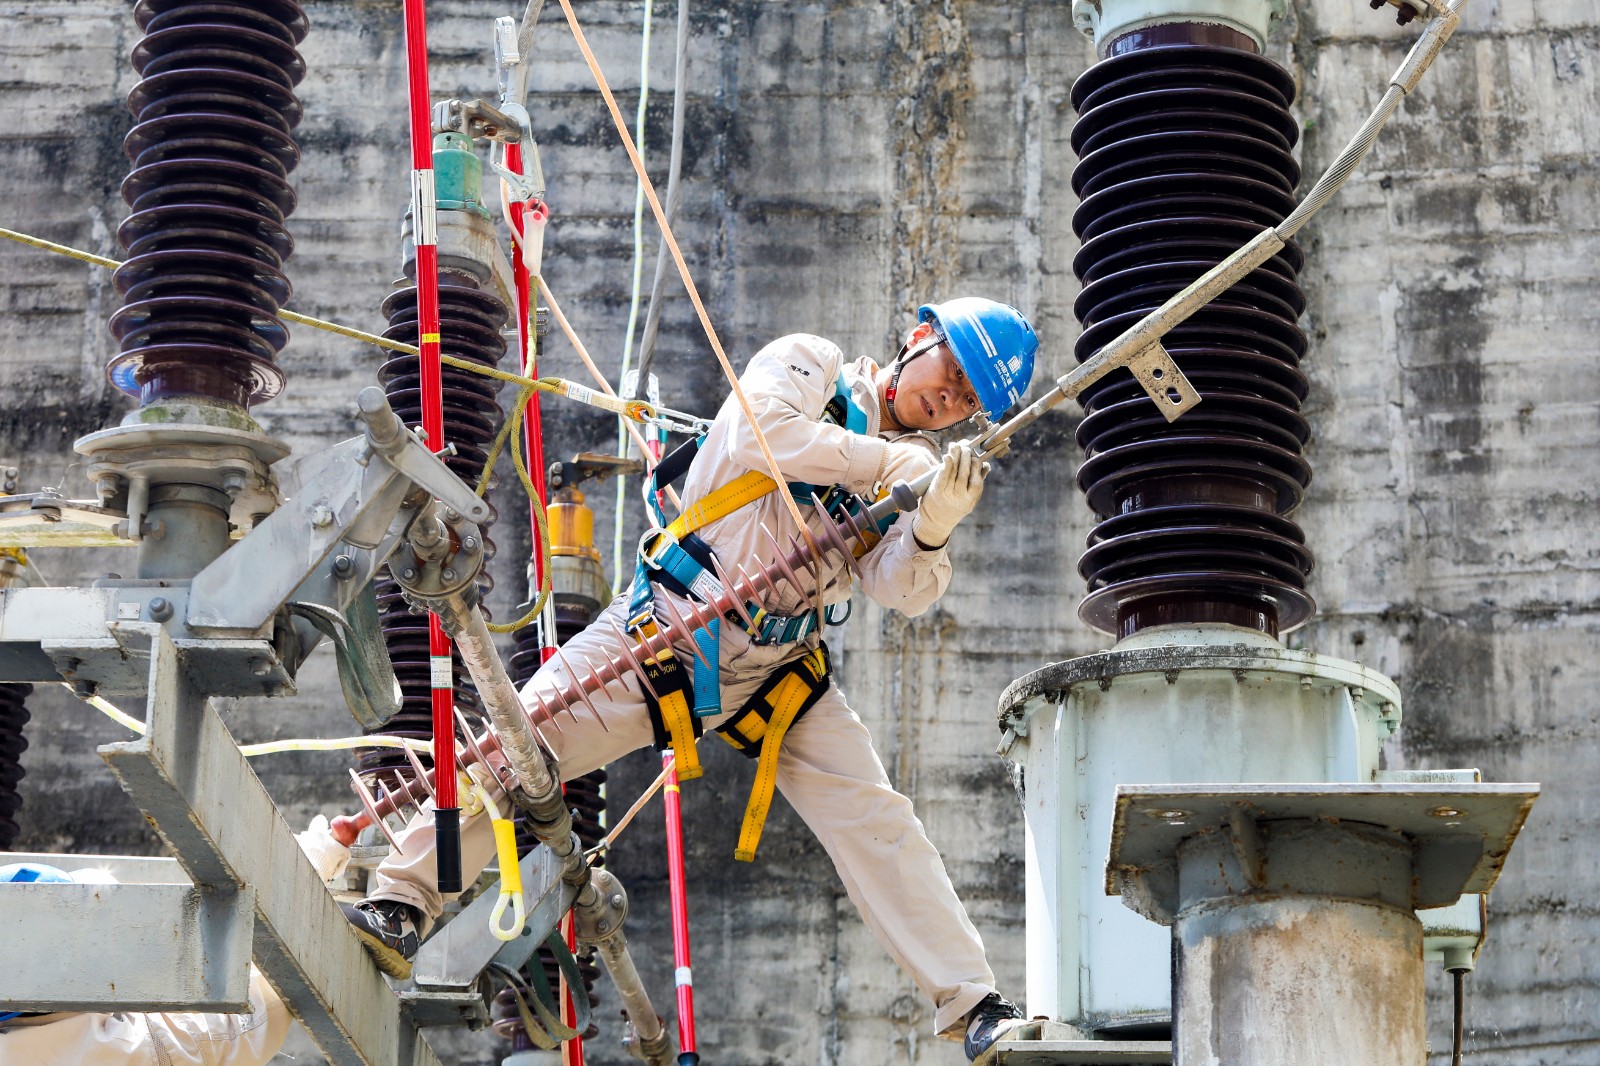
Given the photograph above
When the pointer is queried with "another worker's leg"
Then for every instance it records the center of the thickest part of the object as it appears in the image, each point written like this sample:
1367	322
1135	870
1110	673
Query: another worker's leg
831	775
582	740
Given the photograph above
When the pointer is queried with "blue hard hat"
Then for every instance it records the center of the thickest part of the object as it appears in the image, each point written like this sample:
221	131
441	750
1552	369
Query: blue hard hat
24	872
994	344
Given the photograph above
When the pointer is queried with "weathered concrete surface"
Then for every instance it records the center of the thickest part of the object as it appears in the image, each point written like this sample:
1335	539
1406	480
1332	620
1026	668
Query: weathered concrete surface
847	160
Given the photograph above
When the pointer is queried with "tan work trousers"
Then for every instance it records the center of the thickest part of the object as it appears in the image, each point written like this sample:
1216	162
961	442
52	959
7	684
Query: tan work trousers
829	773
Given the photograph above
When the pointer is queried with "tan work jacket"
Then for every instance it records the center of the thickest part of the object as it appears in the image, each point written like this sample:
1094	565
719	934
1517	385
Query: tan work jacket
788	384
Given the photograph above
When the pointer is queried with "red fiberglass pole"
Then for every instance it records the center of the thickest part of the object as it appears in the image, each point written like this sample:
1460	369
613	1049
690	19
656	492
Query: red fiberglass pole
670	799
424	205
526	219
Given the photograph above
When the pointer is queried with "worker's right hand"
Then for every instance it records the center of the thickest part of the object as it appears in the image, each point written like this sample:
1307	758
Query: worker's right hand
951	497
906	460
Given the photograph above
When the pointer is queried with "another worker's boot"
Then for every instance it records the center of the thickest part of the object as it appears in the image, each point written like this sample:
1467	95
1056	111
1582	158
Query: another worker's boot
990	1020
389	931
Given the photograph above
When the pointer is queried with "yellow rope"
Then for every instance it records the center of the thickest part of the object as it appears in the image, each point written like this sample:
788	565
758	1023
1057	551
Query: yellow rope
637	412
59	249
683	272
529	385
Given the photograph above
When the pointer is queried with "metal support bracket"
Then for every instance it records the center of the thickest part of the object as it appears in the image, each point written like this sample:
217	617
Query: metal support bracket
1461	833
337	496
155	946
1163	382
186	774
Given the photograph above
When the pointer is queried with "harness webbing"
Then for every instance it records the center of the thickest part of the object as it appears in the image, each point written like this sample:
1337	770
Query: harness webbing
759	728
671	715
671	553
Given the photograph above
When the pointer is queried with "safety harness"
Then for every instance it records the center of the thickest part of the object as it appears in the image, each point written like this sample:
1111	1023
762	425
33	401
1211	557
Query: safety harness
671	555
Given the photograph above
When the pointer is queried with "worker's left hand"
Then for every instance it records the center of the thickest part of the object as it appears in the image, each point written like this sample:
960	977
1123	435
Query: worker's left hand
951	497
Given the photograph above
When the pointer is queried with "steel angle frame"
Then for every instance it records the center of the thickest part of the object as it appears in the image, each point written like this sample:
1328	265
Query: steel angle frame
188	777
153	947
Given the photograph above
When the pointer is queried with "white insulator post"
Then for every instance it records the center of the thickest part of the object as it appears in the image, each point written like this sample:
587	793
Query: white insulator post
1180	704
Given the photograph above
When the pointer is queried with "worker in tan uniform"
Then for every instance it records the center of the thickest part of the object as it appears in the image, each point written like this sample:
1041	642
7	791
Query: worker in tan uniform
839	431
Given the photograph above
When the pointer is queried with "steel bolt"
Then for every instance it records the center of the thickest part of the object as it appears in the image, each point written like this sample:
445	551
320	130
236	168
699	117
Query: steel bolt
452	515
469	544
408	574
260	667
321	515
448	574
85	689
343	566
160	609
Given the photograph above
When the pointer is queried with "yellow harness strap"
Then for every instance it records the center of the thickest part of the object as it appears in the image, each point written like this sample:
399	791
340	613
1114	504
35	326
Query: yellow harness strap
721	502
673	717
761	724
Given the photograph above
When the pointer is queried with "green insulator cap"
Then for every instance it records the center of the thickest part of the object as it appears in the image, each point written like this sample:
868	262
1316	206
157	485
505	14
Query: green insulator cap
457	172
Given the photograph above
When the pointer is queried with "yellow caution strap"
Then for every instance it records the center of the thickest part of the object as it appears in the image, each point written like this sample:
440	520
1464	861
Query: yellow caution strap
758	729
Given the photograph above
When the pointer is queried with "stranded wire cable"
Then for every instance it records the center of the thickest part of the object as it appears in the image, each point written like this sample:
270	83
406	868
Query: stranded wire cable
652	320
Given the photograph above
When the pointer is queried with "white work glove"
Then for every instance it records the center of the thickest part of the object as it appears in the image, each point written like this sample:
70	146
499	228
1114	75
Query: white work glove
951	497
327	855
905	460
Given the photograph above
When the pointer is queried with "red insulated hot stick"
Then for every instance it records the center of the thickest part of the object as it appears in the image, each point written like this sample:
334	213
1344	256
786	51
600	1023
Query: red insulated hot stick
571	1050
523	218
684	976
532	432
424	225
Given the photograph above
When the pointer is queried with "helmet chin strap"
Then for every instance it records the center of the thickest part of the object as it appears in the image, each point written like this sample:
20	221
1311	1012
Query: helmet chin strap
907	353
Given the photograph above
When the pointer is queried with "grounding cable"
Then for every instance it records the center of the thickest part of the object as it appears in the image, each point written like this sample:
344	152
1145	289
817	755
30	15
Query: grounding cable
641	385
271	747
604	844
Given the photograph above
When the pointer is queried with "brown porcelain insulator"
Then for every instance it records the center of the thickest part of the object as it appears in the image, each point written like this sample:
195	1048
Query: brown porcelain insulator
1184	156
13	717
206	241
470	322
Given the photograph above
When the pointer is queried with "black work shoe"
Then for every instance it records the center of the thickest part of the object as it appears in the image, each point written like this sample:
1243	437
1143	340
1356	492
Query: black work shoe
990	1020
389	931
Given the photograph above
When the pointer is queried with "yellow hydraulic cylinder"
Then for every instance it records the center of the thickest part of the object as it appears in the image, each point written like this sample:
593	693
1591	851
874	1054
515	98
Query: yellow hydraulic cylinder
571	523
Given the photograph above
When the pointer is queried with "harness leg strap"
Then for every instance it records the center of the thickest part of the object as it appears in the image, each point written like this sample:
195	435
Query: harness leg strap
757	731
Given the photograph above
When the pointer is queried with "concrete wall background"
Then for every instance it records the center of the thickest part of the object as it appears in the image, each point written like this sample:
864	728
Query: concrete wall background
845	161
